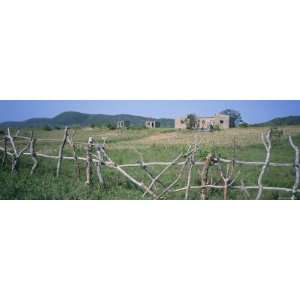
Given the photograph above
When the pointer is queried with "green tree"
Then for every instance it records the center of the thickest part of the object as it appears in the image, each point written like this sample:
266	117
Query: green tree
235	117
244	125
111	126
191	120
47	128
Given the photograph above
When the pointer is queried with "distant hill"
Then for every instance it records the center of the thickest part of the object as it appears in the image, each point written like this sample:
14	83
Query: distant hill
72	118
285	121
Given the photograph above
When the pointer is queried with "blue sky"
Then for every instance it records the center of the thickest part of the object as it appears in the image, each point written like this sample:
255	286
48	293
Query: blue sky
252	111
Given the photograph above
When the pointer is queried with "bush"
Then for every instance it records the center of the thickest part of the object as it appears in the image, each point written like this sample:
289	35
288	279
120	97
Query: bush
276	132
137	128
111	126
244	125
2	131
76	126
92	125
47	128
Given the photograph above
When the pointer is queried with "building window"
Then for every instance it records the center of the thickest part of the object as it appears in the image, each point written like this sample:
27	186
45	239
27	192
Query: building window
221	121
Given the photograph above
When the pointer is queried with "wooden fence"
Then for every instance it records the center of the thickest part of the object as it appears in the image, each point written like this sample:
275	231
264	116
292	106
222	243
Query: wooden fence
96	155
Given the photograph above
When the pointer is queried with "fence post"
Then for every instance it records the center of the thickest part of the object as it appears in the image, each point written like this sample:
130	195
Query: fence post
15	155
191	161
89	161
4	158
297	170
72	144
266	139
60	153
98	164
33	154
204	176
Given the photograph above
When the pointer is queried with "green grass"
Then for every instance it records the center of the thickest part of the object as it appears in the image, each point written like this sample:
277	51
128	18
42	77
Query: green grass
45	185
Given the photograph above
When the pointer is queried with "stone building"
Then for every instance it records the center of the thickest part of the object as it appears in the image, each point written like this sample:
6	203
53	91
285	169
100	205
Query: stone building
152	124
205	123
123	124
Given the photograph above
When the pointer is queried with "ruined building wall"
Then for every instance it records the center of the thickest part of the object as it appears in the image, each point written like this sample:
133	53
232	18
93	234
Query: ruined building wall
223	121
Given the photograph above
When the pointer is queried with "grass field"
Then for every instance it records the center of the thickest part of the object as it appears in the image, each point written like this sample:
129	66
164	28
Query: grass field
127	146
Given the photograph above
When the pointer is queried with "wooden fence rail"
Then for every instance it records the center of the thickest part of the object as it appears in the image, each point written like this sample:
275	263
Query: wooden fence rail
96	155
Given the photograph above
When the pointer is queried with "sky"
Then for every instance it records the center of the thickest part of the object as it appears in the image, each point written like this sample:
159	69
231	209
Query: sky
251	111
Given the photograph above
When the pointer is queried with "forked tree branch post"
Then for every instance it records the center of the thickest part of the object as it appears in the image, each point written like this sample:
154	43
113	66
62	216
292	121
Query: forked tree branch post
61	150
228	178
266	139
4	158
75	156
297	168
89	161
33	154
100	156
15	155
210	160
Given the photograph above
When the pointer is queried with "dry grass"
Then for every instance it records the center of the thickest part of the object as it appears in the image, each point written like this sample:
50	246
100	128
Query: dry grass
242	136
126	139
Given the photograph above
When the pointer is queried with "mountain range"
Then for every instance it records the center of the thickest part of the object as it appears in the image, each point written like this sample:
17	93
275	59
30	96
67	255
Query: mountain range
285	121
72	118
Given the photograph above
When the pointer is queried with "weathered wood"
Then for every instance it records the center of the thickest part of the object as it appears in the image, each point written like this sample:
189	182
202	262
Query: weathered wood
297	171
99	150
244	190
225	180
188	152
210	159
4	158
72	144
11	140
189	177
113	165
145	168
150	174
33	155
163	171
15	155
102	159
228	178
255	163
266	139
60	152
168	188
89	161
236	187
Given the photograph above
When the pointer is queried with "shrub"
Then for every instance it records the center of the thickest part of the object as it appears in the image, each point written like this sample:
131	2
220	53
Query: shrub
77	126
111	126
276	132
244	125
47	128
